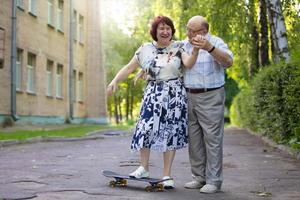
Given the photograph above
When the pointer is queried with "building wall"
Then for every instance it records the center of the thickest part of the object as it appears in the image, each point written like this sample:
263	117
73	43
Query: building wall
47	42
80	52
5	52
95	71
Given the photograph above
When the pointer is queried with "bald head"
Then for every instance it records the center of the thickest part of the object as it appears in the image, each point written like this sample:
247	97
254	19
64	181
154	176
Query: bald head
198	22
197	19
196	25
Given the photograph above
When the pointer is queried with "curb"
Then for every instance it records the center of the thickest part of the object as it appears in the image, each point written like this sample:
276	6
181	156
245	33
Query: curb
281	147
89	136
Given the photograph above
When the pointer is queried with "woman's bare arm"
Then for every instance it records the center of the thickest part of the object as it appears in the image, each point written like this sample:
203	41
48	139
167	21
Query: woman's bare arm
122	74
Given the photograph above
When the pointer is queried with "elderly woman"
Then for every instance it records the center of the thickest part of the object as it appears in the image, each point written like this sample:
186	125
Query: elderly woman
162	125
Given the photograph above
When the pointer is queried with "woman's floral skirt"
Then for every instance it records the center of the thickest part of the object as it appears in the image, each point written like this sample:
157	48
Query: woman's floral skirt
162	124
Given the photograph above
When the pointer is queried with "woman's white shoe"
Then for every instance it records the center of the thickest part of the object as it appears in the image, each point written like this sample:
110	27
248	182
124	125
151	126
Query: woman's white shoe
140	173
169	184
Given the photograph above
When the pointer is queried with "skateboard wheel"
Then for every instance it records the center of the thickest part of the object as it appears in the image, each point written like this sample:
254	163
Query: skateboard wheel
160	187
123	182
112	183
149	188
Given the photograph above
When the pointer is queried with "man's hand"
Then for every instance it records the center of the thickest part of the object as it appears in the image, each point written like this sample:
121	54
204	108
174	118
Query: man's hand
202	43
222	57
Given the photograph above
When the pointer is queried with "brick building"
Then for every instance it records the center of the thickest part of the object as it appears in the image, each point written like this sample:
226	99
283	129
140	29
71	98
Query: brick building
51	62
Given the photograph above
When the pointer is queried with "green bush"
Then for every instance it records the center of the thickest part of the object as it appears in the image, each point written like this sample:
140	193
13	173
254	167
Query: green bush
242	111
271	104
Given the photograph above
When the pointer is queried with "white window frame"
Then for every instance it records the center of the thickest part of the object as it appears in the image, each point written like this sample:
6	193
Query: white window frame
49	78
81	29
74	88
30	78
75	25
80	87
31	74
60	15
2	48
32	7
20	3
50	9
19	70
59	80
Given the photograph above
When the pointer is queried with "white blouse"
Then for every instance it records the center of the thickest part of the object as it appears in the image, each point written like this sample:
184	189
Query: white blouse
161	63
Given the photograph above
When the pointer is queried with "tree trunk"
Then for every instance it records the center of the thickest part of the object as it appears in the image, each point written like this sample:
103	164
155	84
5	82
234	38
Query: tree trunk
131	105
264	41
109	110
120	109
278	30
254	65
254	50
131	100
116	109
127	100
182	22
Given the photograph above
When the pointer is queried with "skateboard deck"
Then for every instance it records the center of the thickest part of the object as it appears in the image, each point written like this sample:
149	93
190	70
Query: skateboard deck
121	180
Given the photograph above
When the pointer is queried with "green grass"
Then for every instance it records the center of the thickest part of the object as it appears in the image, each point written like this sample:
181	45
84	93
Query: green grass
66	132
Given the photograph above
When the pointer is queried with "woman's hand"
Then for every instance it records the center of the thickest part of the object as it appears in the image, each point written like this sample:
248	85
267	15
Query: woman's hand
121	75
140	74
111	88
196	42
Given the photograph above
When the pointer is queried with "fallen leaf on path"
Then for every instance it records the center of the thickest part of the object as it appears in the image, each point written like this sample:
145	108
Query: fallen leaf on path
262	194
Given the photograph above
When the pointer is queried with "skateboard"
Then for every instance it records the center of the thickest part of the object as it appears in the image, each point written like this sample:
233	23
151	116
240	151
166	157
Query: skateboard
121	180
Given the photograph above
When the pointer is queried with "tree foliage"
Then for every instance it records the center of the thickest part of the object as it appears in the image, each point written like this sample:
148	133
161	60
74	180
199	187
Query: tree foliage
238	23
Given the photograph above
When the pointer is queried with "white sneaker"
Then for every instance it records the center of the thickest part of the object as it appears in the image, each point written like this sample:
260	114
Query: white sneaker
169	184
140	173
194	184
208	188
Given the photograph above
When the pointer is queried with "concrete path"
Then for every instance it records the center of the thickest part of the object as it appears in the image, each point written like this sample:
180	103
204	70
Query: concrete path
71	170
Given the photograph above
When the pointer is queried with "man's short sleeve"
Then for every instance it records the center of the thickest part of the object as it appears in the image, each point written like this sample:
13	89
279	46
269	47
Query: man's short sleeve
220	44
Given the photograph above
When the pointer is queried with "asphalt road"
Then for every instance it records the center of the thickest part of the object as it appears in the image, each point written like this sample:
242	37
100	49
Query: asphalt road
71	170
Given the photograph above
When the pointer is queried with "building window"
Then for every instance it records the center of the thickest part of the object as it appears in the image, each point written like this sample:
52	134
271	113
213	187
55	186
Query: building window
33	7
19	69
60	15
20	4
31	66
50	12
49	79
74	88
81	28
80	87
59	80
1	63
75	25
2	38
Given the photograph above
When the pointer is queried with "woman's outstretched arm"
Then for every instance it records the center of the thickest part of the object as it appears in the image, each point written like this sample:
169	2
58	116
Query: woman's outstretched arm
122	74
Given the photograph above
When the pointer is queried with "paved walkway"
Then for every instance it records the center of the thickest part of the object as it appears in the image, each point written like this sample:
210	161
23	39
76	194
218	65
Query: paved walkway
71	170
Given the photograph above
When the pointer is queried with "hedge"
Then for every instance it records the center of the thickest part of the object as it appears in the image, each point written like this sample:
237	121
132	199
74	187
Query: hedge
270	105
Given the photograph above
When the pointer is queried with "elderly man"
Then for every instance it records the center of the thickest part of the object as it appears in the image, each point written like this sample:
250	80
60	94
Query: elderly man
204	83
